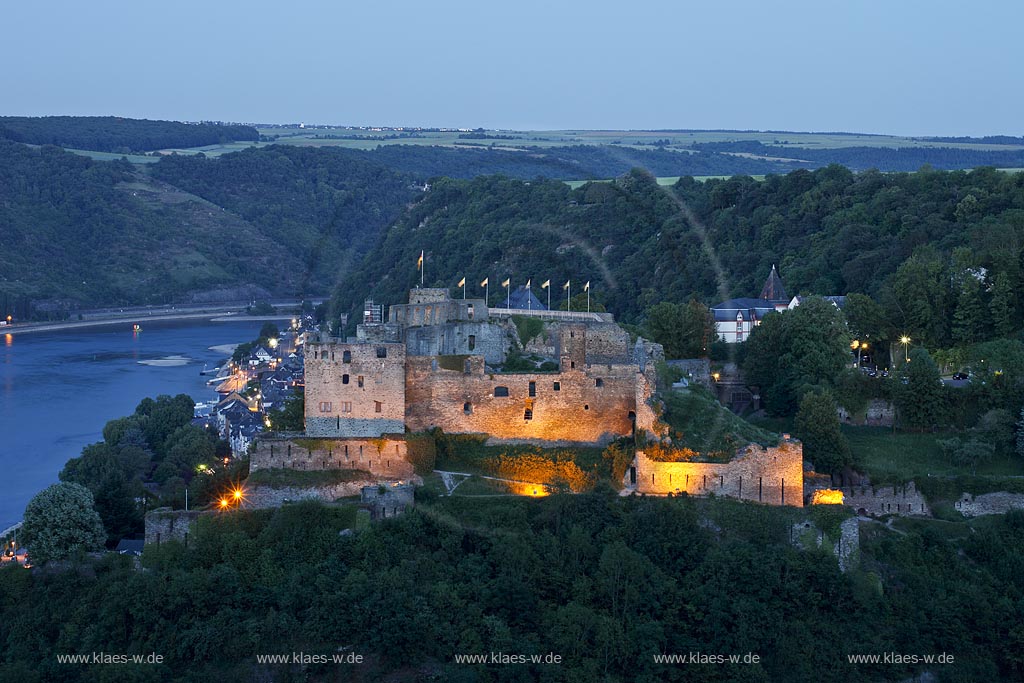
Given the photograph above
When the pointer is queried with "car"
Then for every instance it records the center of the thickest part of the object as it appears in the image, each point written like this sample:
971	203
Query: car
960	375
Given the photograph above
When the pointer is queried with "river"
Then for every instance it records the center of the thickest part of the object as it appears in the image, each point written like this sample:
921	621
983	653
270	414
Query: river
58	389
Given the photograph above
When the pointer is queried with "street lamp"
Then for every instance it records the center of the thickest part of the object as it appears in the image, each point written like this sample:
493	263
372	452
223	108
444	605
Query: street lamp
905	340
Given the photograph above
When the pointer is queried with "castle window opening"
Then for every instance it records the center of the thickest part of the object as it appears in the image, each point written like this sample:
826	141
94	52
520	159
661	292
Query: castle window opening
382	352
586	406
528	414
325	406
346	406
344	379
572	365
599	382
500	392
346	356
572	334
467	408
378	407
533	389
557	386
332	355
472	342
469	313
359	381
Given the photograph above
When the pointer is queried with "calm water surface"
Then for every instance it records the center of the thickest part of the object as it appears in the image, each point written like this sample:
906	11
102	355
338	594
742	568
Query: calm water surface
57	390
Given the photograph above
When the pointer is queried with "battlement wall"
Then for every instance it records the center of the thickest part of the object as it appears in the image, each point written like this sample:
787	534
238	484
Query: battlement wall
766	475
384	457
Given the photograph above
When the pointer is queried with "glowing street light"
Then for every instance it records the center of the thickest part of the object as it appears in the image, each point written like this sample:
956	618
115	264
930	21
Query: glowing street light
905	340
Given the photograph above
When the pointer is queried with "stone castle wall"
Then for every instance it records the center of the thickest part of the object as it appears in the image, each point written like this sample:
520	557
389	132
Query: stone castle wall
766	475
384	457
886	500
998	503
479	338
578	410
164	524
355	390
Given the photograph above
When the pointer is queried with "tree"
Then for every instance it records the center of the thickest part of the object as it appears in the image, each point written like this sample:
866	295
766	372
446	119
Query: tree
817	426
1002	304
698	329
61	521
969	317
919	395
269	331
920	297
865	317
664	324
290	417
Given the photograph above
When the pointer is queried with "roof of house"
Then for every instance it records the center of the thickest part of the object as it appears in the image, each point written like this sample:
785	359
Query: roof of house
130	546
523	298
773	289
751	309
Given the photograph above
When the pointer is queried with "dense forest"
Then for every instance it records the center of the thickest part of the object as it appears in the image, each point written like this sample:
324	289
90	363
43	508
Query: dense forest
607	584
830	232
284	220
117	134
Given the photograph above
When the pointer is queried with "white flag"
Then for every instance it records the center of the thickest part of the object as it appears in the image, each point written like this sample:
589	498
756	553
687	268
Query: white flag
586	287
527	284
545	285
566	285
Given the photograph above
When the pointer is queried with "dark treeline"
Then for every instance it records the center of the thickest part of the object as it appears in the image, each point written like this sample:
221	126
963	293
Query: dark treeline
885	159
605	583
119	135
830	231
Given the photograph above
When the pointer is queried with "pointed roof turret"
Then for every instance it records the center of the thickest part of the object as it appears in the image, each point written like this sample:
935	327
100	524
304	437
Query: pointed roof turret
773	289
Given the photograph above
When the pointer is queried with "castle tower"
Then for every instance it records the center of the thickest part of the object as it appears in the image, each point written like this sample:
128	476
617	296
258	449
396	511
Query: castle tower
572	347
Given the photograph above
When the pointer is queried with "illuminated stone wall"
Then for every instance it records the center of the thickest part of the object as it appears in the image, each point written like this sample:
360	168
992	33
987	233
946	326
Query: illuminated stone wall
489	340
383	457
766	475
355	390
466	402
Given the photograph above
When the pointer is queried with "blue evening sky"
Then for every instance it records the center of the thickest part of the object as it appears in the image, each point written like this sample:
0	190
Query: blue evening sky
895	66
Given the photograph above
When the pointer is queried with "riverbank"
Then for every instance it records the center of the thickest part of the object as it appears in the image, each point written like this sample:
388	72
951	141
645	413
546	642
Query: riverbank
210	316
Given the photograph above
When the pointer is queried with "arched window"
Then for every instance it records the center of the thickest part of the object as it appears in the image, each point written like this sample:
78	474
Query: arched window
500	391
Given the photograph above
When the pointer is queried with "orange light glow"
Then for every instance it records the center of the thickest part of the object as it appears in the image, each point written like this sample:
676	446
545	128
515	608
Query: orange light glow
827	497
237	494
224	502
8	339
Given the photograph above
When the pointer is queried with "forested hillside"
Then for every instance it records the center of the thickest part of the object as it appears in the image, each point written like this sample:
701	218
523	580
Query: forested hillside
117	134
77	232
830	231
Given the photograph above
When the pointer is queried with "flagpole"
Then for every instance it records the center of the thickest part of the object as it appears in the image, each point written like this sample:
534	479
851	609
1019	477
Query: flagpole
487	292
549	297
568	295
588	299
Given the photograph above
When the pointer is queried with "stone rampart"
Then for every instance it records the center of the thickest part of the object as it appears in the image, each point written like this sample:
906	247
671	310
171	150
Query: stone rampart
998	503
384	456
165	524
767	475
886	500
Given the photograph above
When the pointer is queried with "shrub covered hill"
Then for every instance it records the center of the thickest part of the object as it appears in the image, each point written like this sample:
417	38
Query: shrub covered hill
85	232
830	231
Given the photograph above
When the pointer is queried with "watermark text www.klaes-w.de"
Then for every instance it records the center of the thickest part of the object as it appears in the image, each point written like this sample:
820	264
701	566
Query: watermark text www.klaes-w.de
900	658
110	658
311	658
707	658
508	658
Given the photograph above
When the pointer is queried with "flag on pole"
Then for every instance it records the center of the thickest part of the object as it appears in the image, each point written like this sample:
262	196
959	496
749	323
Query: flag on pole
419	261
566	285
586	287
506	282
462	282
484	283
527	284
546	284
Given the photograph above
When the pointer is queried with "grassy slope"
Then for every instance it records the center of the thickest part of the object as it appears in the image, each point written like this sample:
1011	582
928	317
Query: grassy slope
699	422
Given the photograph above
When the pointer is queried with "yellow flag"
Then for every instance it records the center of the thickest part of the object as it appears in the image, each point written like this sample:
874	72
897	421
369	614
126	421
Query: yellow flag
484	283
506	282
546	284
419	262
462	282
